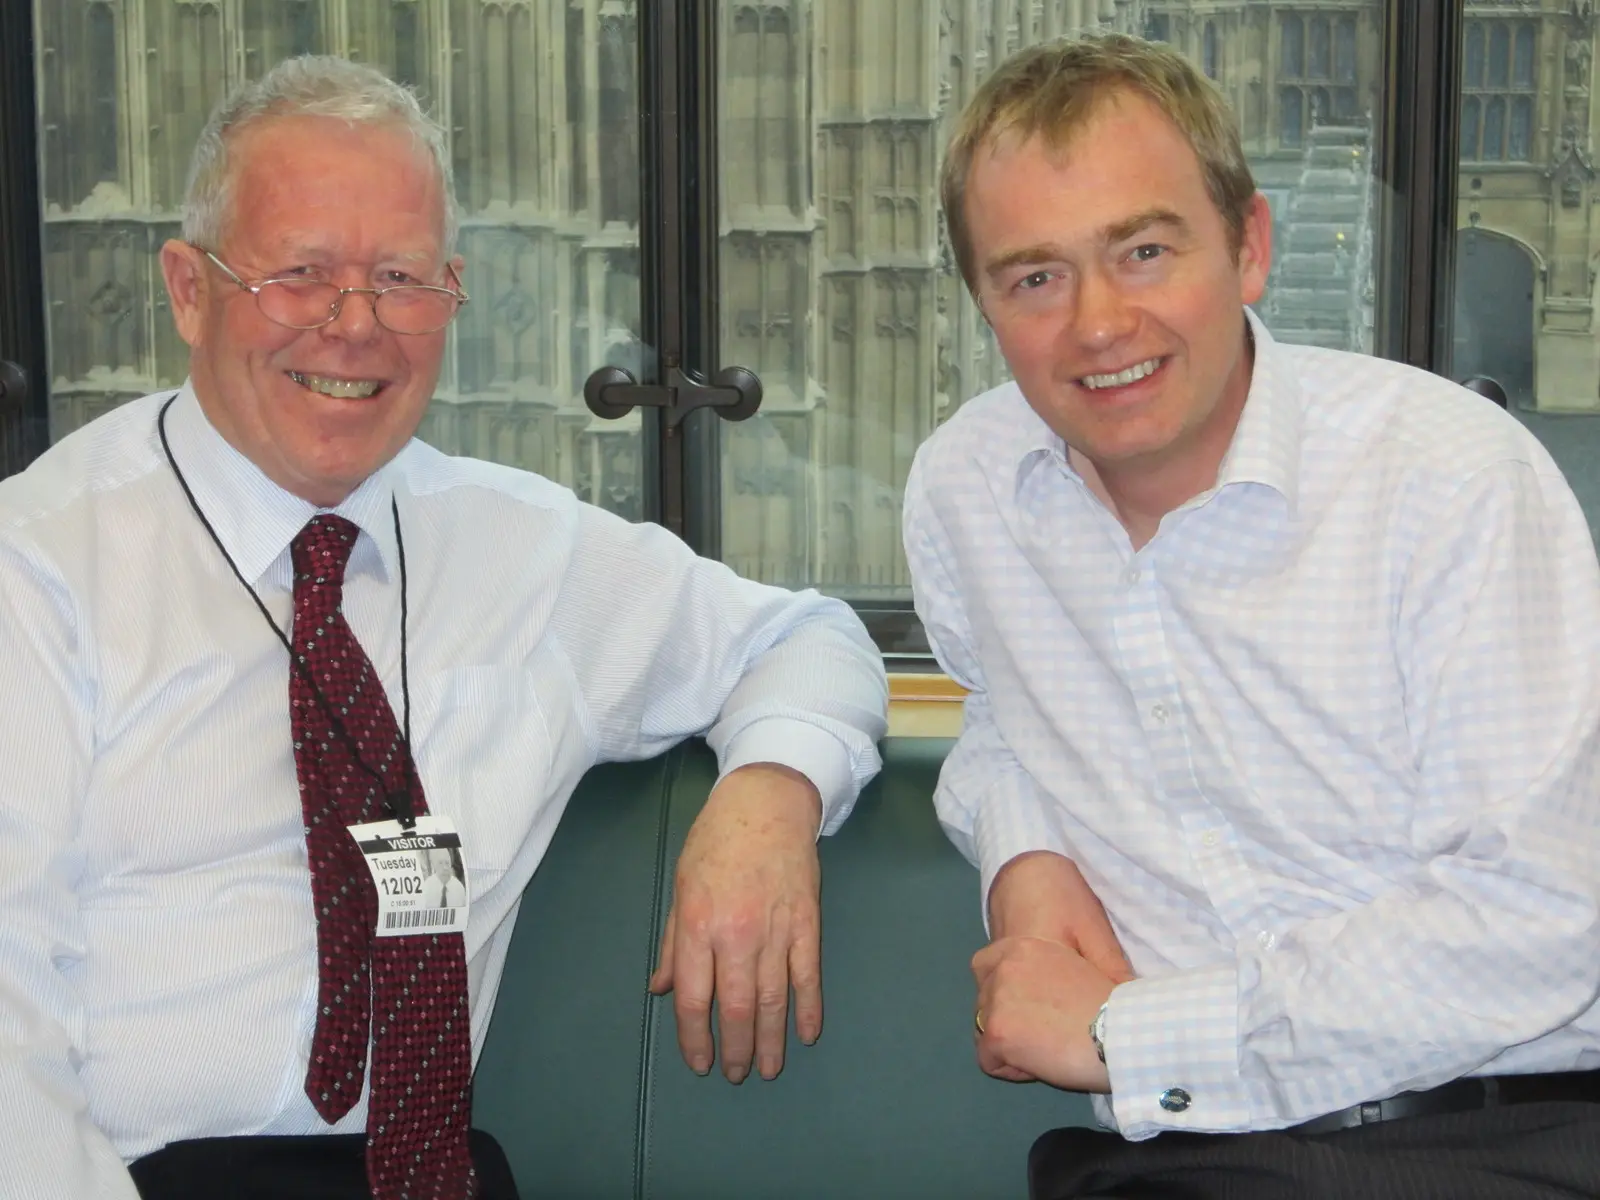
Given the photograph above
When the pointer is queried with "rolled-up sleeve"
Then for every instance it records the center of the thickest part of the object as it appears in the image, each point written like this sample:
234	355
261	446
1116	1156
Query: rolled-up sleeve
667	645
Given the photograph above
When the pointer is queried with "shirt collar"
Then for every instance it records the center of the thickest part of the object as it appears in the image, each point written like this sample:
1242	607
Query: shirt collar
254	518
1037	444
1266	444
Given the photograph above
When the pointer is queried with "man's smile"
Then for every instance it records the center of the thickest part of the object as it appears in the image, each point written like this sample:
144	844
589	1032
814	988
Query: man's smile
340	389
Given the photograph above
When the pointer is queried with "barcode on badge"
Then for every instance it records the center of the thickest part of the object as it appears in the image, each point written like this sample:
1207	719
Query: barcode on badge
420	917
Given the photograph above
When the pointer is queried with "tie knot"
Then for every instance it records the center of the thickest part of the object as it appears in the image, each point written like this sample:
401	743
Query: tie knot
320	552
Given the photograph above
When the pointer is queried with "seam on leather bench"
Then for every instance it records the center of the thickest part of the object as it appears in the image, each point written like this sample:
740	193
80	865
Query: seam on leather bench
647	1025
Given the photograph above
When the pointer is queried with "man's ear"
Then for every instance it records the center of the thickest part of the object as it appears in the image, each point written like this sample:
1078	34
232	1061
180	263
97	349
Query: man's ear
1255	250
977	301
184	269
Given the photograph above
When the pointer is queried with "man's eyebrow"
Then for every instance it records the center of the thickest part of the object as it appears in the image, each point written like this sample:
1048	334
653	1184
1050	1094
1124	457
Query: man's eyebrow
1117	232
1023	256
1125	229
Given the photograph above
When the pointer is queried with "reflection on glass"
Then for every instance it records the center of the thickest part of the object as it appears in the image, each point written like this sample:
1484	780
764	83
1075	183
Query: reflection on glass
1494	120
1521	141
1526	245
838	286
1499	55
1345	51
1291	104
1471	127
1320	49
1294	47
1524	64
540	99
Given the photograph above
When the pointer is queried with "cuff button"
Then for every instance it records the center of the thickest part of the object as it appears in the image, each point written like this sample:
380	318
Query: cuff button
1175	1100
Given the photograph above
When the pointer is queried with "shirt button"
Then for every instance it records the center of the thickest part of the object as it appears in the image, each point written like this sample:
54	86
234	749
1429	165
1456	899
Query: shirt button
1266	940
1175	1100
1159	713
1209	838
1132	575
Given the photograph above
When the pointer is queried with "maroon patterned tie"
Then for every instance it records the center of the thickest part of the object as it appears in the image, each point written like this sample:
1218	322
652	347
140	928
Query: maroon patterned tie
409	993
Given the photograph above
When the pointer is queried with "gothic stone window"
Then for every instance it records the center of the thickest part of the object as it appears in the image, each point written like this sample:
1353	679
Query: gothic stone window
1157	26
1316	73
1497	91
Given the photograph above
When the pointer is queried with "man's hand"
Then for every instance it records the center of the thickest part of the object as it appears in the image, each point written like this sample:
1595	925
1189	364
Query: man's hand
1041	894
746	922
1036	999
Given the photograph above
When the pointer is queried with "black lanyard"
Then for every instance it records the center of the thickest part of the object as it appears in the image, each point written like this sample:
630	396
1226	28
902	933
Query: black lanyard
398	803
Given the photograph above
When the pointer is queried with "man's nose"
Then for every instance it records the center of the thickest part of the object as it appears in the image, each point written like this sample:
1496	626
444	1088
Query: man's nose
357	319
1104	315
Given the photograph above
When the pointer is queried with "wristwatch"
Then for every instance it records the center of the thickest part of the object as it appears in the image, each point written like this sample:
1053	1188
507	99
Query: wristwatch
1097	1031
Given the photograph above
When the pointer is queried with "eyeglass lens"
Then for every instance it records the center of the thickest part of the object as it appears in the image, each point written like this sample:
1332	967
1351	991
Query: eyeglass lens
306	304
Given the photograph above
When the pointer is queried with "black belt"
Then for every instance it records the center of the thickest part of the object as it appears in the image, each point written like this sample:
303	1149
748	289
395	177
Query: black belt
1463	1095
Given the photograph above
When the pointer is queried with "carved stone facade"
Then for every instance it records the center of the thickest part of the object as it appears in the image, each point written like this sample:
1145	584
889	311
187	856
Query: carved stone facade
837	284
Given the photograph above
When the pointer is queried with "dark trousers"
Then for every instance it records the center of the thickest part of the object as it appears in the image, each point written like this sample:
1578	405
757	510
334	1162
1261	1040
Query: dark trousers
1522	1152
316	1167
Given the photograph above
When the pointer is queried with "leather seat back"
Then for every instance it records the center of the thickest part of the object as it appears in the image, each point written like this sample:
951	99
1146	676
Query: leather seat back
581	1078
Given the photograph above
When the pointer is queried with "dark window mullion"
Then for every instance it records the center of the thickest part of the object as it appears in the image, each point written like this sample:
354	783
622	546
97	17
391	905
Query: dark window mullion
678	254
23	436
1420	146
702	313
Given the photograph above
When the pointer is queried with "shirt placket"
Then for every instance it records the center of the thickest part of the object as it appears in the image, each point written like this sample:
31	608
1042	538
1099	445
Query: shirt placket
1212	841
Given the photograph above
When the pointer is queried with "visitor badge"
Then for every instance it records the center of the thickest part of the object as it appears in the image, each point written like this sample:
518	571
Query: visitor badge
421	880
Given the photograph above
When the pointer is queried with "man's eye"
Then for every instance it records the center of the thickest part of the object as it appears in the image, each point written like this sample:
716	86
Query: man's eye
1036	280
398	278
1147	252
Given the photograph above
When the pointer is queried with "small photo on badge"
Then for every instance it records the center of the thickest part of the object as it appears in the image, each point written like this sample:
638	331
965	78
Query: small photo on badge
444	882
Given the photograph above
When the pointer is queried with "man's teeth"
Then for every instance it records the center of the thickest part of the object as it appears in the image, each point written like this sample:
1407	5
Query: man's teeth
1122	378
342	389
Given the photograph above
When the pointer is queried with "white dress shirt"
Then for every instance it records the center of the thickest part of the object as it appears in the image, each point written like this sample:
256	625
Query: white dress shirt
159	945
1326	747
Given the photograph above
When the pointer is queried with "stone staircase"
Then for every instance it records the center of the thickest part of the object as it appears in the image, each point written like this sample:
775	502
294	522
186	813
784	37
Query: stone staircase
1322	286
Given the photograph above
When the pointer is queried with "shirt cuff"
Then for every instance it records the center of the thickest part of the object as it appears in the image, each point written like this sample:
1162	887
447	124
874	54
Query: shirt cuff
1172	1051
1005	825
800	746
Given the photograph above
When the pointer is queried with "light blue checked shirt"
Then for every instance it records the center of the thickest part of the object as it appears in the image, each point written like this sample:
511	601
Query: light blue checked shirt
158	958
1327	747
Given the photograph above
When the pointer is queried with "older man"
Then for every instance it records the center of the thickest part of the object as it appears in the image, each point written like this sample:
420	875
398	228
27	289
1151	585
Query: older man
1293	656
259	640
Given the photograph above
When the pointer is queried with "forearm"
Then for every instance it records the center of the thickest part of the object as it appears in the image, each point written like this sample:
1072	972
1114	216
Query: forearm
989	806
1405	992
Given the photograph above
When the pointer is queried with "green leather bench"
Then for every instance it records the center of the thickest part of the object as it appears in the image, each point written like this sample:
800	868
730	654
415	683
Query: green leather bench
581	1079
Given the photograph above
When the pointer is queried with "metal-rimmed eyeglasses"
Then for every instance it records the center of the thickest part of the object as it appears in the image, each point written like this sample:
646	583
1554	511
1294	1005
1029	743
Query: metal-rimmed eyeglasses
295	303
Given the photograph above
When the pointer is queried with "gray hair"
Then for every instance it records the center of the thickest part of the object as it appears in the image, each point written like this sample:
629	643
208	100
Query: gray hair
312	85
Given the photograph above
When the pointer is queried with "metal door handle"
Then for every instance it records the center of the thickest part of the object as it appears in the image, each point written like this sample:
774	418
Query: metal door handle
13	387
613	392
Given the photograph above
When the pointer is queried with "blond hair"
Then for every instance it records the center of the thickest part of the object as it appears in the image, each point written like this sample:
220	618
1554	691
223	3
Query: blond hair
1053	90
